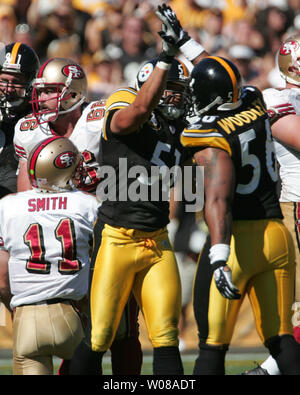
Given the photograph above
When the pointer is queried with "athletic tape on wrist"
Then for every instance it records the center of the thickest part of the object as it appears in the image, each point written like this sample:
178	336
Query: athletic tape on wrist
219	252
163	65
191	49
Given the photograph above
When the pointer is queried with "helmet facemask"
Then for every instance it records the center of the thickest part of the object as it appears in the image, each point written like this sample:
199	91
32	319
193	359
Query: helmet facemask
18	67
65	101
13	98
173	104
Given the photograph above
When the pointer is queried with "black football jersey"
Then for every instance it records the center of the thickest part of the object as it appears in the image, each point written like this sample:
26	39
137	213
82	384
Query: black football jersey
246	135
8	161
137	191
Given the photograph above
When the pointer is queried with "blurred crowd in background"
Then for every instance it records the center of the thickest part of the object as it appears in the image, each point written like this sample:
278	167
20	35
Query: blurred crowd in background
112	38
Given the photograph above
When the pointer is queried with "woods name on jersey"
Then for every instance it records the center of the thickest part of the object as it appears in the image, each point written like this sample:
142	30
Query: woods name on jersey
255	111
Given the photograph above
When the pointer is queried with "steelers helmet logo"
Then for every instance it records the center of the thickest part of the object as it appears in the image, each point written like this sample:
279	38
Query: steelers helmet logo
64	160
145	72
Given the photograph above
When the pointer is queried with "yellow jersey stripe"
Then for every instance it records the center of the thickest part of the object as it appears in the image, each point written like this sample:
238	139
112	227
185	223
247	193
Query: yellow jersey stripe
206	142
231	75
120	98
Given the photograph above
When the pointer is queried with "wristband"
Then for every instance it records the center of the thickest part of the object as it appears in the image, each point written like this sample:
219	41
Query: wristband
191	49
163	65
219	252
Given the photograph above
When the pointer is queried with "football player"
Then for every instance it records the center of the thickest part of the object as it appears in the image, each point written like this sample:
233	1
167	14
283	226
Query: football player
48	256
281	105
60	108
142	128
250	251
18	67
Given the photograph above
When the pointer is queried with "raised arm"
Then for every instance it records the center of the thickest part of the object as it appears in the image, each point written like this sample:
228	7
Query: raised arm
189	47
128	119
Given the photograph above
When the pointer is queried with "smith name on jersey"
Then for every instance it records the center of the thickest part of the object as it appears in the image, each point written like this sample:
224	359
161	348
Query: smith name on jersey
255	164
49	252
155	145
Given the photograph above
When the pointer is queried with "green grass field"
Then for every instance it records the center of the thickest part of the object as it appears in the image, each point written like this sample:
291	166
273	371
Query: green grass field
236	363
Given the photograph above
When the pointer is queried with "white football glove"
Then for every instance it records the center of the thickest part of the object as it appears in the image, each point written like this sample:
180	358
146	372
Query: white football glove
168	43
173	33
172	30
223	280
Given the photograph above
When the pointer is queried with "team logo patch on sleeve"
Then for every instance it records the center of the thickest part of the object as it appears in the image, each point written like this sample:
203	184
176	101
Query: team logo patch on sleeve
64	160
1	242
145	72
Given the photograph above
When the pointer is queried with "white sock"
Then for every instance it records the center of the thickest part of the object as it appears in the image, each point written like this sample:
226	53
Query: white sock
271	366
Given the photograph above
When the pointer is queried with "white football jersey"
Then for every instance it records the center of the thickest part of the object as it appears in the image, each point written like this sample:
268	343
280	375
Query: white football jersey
86	133
48	237
288	159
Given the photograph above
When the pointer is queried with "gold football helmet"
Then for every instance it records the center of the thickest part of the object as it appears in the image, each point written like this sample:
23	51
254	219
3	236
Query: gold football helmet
69	83
53	163
289	59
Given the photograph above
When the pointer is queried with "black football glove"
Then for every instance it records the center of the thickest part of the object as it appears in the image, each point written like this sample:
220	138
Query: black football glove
223	280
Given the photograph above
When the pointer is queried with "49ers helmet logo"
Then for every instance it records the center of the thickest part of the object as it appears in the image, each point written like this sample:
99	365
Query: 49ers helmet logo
74	70
64	160
288	47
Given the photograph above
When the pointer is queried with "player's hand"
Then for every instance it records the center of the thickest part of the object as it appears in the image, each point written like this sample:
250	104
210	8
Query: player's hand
223	280
172	31
168	44
280	110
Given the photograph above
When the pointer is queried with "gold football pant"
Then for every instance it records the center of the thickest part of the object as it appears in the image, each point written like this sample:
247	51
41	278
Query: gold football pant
144	263
262	263
42	331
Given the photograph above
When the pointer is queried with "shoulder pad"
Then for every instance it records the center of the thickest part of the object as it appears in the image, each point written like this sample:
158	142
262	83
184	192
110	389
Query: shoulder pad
121	98
200	135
